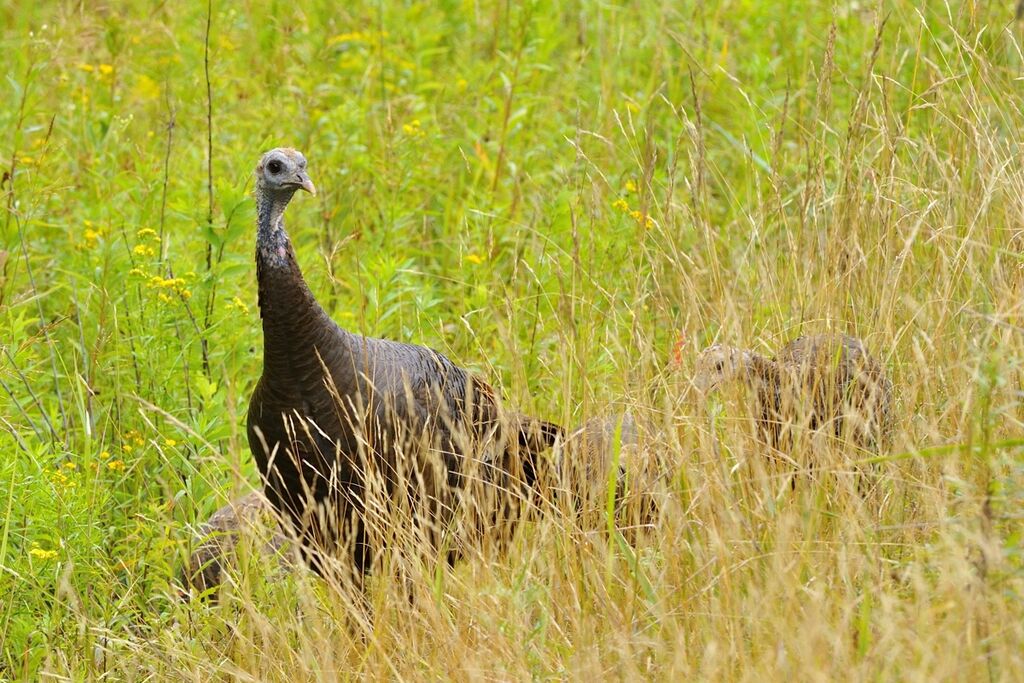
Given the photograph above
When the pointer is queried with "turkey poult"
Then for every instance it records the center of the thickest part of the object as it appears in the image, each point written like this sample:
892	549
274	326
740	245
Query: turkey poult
586	467
367	443
826	383
249	519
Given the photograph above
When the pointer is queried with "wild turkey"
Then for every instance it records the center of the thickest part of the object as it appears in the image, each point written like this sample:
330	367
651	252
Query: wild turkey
353	435
585	464
249	519
825	383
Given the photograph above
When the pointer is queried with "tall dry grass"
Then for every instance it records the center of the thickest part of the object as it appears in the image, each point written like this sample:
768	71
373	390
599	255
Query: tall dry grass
792	169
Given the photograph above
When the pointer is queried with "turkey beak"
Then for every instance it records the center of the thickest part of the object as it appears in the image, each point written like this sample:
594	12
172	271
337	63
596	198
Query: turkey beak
305	183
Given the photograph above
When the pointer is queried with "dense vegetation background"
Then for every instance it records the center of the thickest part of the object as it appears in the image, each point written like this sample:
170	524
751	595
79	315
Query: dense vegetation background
553	196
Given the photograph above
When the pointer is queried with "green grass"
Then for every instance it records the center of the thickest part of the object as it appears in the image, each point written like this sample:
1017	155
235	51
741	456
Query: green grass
794	168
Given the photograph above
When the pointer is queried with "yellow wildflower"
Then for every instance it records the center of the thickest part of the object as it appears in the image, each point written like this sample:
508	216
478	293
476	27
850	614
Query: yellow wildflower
413	129
238	304
630	186
138	272
116	465
143	250
42	554
70	466
354	37
145	88
642	219
104	455
88	68
62	480
164	298
473	258
126	448
170	443
146	232
620	204
92	237
106	69
26	160
173	284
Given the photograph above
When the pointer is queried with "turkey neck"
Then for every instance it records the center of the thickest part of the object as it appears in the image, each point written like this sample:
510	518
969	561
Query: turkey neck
294	324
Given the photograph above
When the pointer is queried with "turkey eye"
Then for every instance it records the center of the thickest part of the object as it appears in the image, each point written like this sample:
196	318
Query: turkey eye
274	166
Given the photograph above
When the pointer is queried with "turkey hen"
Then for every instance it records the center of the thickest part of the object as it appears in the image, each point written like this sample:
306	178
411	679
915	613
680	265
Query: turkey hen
367	443
827	383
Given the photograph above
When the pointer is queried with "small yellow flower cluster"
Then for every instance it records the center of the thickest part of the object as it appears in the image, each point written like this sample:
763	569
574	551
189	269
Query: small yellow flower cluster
350	37
145	88
641	218
175	285
41	554
167	287
474	258
170	443
357	37
91	235
132	436
237	304
630	186
413	129
145	250
116	465
62	477
102	70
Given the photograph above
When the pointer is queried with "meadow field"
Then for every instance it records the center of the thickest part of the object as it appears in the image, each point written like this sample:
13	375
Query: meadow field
571	199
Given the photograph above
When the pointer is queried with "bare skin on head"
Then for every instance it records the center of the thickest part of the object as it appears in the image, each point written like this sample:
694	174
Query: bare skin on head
283	170
720	364
280	173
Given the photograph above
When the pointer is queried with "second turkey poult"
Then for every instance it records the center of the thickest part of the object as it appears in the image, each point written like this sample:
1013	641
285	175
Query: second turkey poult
823	383
368	443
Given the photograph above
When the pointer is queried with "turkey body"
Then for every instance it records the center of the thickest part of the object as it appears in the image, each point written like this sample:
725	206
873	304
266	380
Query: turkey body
358	438
618	446
826	383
